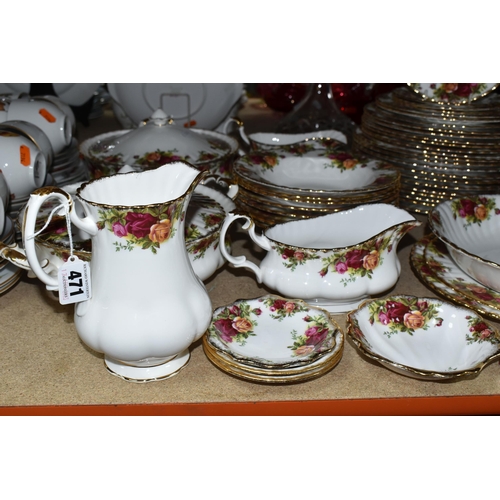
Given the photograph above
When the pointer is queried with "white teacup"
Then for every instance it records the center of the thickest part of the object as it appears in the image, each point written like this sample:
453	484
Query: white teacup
22	164
47	116
34	134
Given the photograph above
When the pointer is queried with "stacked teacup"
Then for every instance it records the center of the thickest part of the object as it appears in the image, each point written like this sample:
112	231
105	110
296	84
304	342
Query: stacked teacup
43	128
46	114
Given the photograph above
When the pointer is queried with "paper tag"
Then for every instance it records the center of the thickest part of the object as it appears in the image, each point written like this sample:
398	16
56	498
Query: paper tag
74	281
47	115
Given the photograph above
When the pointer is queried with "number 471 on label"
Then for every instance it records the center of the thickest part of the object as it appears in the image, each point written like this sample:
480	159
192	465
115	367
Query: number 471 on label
74	281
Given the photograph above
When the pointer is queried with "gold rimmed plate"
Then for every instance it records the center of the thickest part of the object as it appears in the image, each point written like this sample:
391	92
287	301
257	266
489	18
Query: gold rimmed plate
432	264
272	332
453	93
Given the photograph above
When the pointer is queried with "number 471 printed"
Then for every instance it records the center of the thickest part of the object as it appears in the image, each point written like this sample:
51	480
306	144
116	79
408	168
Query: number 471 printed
74	281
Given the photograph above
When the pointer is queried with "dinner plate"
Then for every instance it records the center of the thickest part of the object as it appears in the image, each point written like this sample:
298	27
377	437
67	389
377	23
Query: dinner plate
201	105
453	93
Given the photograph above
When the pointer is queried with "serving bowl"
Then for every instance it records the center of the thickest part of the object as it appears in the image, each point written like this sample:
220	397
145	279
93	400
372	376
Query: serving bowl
470	229
423	338
155	142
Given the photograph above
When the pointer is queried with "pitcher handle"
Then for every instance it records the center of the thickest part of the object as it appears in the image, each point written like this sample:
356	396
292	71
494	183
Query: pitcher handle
241	260
36	200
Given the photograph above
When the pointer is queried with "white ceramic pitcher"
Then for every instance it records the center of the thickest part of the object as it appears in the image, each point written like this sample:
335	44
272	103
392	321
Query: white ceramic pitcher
147	304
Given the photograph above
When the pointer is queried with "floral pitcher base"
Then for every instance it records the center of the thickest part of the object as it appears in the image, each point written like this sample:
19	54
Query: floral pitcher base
153	370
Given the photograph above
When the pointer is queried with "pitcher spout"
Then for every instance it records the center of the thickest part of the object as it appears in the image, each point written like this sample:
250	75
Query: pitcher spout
150	187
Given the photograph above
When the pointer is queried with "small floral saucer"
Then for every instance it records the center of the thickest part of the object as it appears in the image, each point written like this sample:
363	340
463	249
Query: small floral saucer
453	93
272	332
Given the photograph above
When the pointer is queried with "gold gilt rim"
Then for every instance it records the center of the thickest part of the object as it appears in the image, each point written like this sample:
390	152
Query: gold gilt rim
464	293
390	151
266	187
462	102
223	357
287	379
264	205
199	177
291	368
444	289
314	202
410	371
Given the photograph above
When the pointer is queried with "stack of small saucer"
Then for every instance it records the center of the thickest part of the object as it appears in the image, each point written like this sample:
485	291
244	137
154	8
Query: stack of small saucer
441	147
9	273
282	185
273	340
67	167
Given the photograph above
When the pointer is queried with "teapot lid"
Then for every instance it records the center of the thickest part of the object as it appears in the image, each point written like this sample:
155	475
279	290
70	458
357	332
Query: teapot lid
159	140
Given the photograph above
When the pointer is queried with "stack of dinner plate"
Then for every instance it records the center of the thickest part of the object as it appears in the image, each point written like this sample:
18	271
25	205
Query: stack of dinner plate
274	340
442	148
280	185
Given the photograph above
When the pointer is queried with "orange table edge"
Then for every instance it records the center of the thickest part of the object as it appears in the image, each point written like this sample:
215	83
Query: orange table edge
415	406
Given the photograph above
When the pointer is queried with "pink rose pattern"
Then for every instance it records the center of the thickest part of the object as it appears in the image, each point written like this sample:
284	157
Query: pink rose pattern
480	331
472	210
455	92
404	314
357	262
237	323
145	228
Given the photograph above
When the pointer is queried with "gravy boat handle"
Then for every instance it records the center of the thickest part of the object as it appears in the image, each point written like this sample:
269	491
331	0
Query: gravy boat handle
241	260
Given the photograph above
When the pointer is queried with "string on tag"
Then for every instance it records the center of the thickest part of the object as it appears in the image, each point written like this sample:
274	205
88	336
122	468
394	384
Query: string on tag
68	226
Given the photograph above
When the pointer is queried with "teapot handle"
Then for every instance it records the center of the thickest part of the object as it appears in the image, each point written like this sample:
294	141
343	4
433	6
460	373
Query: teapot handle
36	200
15	255
241	260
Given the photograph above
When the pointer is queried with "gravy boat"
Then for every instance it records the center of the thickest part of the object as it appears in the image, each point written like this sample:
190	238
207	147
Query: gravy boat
333	261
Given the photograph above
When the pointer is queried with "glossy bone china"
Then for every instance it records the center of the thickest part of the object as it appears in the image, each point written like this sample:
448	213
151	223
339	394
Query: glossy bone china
22	164
155	142
309	140
47	116
424	338
333	169
333	261
470	229
205	214
147	305
272	332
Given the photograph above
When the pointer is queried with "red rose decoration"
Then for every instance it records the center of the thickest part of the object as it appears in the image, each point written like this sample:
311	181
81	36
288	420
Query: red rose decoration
139	224
467	207
396	311
225	327
354	258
